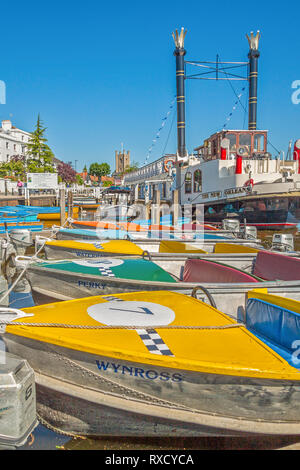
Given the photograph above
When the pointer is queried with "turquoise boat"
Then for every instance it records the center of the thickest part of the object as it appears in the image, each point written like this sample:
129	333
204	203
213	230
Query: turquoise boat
68	279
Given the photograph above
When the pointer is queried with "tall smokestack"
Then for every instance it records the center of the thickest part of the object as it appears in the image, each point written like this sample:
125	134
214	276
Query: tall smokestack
253	73
179	54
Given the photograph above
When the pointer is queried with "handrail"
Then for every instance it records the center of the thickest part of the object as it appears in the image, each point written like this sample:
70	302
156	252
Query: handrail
206	292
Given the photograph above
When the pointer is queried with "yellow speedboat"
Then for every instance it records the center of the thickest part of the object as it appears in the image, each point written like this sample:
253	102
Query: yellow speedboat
51	215
153	363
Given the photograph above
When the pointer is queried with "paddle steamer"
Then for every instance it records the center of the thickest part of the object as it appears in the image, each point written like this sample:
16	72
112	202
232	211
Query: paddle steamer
232	174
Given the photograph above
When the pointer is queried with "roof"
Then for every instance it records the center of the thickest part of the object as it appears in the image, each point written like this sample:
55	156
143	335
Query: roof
118	189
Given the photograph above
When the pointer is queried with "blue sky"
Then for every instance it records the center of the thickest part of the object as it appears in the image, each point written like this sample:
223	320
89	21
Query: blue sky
103	73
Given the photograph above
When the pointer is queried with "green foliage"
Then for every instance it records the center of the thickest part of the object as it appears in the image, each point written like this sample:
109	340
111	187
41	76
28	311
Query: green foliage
99	169
79	180
106	184
40	156
133	167
14	169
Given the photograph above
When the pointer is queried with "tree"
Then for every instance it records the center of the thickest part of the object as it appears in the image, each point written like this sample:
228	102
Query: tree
106	184
99	169
133	167
15	168
79	180
66	173
39	153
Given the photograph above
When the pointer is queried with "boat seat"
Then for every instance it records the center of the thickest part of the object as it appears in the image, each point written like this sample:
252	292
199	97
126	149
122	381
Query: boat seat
276	325
199	270
272	266
233	248
173	246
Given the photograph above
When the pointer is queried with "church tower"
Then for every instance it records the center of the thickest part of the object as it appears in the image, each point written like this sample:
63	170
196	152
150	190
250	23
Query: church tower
122	161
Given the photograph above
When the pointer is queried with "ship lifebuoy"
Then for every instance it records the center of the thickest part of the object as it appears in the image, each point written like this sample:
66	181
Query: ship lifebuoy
166	166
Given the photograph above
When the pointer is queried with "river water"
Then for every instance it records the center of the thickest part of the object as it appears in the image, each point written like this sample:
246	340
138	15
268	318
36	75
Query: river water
44	438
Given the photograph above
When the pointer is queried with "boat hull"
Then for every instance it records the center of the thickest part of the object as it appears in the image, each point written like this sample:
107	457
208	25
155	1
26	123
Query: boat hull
267	218
86	394
56	215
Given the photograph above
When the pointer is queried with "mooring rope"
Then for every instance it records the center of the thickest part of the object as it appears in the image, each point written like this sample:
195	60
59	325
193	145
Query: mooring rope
32	259
123	327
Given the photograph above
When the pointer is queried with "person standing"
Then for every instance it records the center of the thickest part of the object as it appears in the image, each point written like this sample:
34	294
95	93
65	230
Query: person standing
20	186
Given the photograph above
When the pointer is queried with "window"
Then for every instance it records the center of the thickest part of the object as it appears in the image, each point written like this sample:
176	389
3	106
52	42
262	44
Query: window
198	181
244	145
15	147
232	144
259	143
188	182
245	139
7	145
214	148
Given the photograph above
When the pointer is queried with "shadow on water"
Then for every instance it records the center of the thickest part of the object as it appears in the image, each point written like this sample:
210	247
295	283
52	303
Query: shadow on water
46	440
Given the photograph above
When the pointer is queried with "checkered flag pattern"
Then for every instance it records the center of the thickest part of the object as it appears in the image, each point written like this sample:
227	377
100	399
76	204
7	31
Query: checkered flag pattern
111	297
104	271
98	245
154	343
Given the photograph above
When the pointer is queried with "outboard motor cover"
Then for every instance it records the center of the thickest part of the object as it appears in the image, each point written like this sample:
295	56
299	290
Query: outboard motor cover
231	224
250	232
283	242
18	416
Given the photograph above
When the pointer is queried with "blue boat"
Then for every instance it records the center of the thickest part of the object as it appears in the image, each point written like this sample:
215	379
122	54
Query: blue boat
33	227
9	214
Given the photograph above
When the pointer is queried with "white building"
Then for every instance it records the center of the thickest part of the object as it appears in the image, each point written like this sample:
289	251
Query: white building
13	141
154	176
